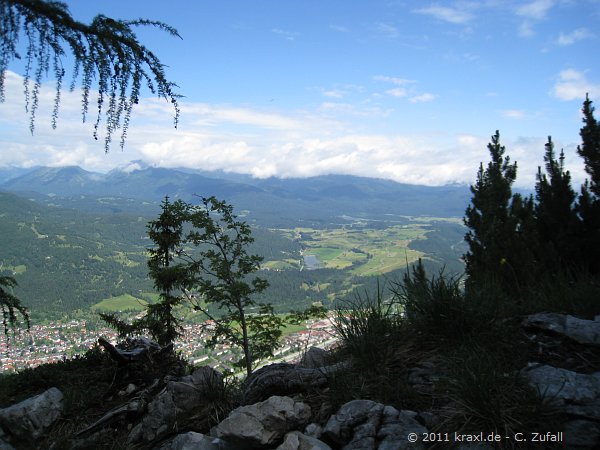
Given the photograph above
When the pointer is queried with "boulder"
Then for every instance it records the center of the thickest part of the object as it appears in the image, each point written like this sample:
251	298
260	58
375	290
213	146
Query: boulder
179	398
26	422
583	331
298	441
282	379
263	424
314	358
582	434
577	395
197	441
365	424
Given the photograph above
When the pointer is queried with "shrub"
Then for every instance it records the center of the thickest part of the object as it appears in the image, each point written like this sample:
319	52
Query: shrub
438	306
368	327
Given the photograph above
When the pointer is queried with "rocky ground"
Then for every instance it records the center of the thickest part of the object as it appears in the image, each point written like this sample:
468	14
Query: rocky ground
153	404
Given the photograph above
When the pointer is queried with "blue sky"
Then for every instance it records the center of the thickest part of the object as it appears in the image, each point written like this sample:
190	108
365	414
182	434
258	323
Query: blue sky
409	91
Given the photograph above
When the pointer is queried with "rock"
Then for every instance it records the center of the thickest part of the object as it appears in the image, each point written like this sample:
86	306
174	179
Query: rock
94	440
178	399
298	441
578	394
5	445
582	434
313	430
263	424
281	379
27	421
426	374
365	424
582	331
158	421
193	441
314	358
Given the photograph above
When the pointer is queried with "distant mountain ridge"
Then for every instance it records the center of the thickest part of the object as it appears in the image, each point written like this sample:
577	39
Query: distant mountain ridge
316	198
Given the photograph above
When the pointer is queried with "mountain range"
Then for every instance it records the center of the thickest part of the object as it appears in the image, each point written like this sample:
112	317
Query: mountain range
272	201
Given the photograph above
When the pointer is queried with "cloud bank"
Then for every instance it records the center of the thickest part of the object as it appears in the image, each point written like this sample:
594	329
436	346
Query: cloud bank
266	143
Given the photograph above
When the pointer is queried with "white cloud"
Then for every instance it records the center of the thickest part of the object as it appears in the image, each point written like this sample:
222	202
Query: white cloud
393	80
405	89
447	14
260	142
535	10
513	113
215	114
334	93
532	12
574	36
387	30
573	85
397	92
339	28
423	98
350	109
288	35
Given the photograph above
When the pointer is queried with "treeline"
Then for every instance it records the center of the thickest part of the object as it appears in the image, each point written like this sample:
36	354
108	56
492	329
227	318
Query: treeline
523	245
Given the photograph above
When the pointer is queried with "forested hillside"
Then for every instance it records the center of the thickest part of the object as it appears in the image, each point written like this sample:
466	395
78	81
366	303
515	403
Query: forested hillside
67	259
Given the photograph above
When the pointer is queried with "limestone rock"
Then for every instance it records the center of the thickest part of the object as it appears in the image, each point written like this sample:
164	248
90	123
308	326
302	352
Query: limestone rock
179	398
265	423
314	358
27	421
583	331
298	441
365	424
281	379
194	441
582	434
313	430
578	393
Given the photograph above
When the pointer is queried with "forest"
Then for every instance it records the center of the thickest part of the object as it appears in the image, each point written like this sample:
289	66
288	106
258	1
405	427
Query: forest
104	254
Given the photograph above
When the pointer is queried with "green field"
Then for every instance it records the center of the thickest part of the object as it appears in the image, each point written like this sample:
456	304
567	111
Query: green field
362	251
123	302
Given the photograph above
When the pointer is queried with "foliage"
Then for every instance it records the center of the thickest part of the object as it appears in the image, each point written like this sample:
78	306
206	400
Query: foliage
500	224
522	247
589	149
488	393
170	279
556	220
368	328
10	305
588	205
83	380
201	256
107	50
437	307
221	269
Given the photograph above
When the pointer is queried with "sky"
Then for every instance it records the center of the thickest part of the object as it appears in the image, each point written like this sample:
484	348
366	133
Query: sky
408	91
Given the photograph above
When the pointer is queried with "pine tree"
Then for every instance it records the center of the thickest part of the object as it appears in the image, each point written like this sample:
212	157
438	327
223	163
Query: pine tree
588	203
556	220
500	227
589	149
170	275
106	50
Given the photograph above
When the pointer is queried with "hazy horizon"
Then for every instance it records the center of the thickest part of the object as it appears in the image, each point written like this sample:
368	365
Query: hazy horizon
385	90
